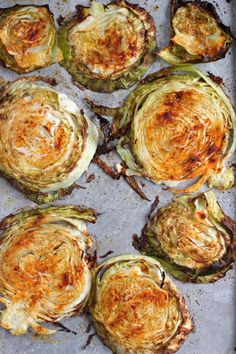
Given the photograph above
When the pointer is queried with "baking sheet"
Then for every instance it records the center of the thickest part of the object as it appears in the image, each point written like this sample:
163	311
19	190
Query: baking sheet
211	306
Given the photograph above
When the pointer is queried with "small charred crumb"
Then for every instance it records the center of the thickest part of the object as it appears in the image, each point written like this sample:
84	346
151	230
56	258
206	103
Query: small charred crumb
104	149
64	192
165	188
197	302
51	81
92	258
106	254
217	79
135	242
163	274
134	185
77	84
107	169
89	340
233	165
78	186
61	20
88	329
143	184
139	243
80	12
154	205
105	127
90	178
63	328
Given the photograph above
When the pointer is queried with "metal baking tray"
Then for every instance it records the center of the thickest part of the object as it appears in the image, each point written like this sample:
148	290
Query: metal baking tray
123	212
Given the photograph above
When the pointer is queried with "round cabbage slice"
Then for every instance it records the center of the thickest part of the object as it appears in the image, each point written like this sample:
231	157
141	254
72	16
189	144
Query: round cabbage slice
46	267
28	38
199	35
192	238
136	308
46	141
108	47
176	126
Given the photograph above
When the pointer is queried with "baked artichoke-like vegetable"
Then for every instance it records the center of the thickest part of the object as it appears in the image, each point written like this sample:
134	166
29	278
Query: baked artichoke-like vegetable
177	125
136	308
46	142
192	238
28	38
108	47
199	35
46	268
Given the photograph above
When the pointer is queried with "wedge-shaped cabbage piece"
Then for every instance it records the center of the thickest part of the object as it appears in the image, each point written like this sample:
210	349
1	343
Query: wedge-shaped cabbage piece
108	47
192	238
46	266
28	38
199	35
136	308
177	125
46	141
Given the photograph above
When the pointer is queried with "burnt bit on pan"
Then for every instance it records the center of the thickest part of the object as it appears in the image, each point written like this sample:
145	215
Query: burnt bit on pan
92	258
154	206
217	79
139	243
89	340
64	328
106	254
106	168
78	186
90	178
61	20
134	185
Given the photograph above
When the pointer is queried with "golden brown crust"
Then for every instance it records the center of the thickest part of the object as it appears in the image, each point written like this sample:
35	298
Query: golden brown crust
45	270
28	43
198	144
111	50
136	313
201	46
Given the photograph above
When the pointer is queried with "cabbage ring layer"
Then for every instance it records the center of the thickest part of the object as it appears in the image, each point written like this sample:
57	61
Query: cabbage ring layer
45	269
108	47
177	127
136	307
46	142
192	238
28	38
199	35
